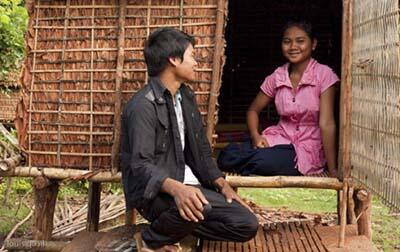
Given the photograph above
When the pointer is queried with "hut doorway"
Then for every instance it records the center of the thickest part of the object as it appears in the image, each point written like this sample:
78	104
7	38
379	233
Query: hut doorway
253	47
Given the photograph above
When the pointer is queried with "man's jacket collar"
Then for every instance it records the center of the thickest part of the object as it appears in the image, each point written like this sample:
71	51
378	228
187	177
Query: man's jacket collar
158	89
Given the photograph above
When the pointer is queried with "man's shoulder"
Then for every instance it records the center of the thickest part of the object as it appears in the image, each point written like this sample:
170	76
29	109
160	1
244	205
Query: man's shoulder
143	99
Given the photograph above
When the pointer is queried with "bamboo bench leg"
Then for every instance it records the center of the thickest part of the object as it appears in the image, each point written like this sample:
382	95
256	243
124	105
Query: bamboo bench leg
343	214
363	211
93	215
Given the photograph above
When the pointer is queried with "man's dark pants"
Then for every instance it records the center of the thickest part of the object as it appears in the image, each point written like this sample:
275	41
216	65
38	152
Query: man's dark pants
222	221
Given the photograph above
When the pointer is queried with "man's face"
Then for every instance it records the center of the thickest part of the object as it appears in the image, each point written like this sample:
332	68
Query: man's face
185	70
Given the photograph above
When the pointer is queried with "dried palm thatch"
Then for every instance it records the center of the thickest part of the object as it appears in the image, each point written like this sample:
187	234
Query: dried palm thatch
85	60
375	118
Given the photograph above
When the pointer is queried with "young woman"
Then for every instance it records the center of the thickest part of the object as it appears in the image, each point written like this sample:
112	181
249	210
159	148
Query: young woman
303	142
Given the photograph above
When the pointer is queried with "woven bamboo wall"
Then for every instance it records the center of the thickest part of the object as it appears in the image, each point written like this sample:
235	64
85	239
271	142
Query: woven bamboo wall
85	60
375	152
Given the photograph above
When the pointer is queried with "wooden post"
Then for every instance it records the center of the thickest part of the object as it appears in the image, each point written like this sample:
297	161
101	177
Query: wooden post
345	93
351	215
363	211
93	215
218	63
343	213
45	196
118	81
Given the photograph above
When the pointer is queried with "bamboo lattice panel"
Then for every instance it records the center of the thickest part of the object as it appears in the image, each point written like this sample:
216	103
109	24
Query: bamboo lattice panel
85	60
375	123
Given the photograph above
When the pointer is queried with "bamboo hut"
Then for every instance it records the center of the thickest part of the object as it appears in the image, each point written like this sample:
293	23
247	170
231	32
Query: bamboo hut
10	95
84	61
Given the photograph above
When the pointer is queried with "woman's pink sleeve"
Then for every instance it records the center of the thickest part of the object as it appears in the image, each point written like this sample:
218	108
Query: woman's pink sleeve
328	79
268	86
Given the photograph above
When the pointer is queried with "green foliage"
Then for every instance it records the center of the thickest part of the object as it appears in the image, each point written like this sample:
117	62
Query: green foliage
13	25
18	186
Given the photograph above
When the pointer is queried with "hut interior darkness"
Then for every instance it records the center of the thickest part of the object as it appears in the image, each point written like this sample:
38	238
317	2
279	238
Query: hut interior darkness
253	35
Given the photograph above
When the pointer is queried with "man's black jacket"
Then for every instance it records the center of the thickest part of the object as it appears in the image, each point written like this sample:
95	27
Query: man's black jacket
151	149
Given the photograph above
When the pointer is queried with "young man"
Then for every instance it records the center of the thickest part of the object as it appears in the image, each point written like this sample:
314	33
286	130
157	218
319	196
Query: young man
167	169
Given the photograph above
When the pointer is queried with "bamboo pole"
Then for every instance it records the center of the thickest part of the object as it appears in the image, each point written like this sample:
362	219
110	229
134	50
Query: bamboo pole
127	16
86	27
284	181
351	215
60	86
10	163
216	70
169	7
343	213
97	133
104	91
91	93
72	154
345	93
59	174
118	94
32	77
101	49
103	70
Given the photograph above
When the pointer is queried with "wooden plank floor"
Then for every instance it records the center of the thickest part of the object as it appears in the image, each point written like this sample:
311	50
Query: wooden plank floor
282	237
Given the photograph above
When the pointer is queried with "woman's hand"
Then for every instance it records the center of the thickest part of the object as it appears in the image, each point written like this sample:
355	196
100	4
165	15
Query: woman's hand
333	173
259	142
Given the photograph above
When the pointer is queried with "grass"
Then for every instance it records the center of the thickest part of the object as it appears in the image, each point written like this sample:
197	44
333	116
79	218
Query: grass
385	226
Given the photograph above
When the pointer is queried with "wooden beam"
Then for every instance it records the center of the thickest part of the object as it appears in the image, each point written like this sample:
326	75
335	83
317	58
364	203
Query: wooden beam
45	202
345	92
59	173
284	181
118	81
218	62
93	214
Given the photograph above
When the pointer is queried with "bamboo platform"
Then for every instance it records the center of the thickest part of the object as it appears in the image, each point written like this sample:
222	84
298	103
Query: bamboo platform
283	237
294	237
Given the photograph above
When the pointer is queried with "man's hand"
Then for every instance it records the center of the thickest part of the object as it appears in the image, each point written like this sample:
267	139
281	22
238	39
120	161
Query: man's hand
259	141
189	200
229	193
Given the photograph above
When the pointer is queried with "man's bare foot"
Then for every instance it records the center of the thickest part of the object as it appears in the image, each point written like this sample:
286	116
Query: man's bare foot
165	248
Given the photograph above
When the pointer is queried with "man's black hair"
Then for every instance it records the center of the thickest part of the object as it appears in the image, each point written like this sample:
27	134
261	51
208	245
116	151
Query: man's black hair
163	44
305	25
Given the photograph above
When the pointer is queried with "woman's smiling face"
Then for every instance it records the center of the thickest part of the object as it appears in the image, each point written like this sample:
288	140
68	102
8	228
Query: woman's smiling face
297	46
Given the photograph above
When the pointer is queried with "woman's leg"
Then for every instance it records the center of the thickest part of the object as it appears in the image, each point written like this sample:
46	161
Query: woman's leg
273	161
